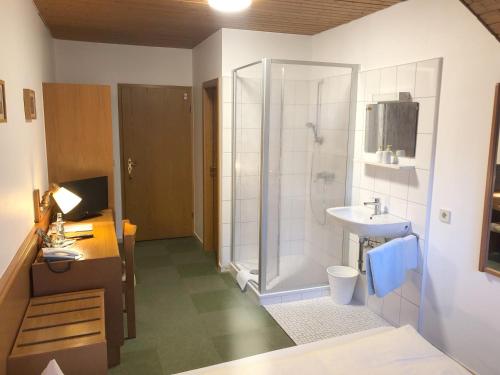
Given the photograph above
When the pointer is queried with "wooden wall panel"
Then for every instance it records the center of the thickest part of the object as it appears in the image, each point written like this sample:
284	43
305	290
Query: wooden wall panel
488	13
78	132
15	290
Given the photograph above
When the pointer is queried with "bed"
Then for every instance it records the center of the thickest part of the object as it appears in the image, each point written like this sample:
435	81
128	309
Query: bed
384	350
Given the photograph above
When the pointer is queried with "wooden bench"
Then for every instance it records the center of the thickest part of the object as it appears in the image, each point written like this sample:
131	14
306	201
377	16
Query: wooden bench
67	327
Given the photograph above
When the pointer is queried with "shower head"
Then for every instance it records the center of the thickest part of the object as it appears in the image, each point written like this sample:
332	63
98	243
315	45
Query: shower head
314	127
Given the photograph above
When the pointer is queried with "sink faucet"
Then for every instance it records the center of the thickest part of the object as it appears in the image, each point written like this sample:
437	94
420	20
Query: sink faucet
376	206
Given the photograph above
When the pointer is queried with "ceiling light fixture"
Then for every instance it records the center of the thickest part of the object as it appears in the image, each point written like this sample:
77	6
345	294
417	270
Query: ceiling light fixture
229	6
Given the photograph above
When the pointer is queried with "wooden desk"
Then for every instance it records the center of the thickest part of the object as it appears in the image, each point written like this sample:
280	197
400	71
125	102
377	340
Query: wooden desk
100	267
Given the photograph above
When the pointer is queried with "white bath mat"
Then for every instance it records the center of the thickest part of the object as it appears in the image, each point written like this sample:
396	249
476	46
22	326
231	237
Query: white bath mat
320	318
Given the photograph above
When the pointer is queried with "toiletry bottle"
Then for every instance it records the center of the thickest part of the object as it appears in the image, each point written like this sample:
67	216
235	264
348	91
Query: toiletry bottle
379	154
394	158
387	155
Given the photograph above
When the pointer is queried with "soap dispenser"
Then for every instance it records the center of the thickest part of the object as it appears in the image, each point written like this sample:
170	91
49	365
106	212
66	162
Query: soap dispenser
379	154
387	155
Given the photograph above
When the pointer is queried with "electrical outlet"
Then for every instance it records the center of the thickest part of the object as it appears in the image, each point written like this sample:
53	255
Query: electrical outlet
445	216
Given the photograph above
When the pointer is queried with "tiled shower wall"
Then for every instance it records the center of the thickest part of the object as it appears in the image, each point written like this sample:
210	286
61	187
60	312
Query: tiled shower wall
324	239
405	193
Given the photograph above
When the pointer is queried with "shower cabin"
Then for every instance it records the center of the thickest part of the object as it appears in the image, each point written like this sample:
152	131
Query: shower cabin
293	128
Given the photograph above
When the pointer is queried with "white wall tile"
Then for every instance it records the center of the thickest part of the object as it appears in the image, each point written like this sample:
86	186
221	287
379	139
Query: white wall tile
361	86
226	212
391	308
251	116
388	79
251	90
368	177
226	164
226	234
227	115
411	288
360	116
289	91
227	140
416	213
406	78
409	314
301	116
418	186
372	84
382	183
375	304
251	139
301	92
226	188
426	112
398	207
399	184
423	154
427	78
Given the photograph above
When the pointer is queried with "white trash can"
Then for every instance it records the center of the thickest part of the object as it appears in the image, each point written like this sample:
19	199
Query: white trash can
342	282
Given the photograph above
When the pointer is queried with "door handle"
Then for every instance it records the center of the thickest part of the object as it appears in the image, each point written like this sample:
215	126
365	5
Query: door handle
130	167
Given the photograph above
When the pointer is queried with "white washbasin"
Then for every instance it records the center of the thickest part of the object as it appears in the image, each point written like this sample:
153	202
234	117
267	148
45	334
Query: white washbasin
361	221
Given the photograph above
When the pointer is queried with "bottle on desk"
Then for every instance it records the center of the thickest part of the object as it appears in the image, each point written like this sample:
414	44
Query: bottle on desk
59	231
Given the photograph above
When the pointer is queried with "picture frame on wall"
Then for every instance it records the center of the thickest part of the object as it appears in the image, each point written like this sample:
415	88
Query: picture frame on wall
29	104
3	106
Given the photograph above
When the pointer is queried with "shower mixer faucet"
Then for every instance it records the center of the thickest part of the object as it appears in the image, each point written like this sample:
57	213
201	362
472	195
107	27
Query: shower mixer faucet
325	176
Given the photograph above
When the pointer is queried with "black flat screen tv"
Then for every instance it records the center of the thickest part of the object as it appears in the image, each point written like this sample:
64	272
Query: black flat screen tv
94	194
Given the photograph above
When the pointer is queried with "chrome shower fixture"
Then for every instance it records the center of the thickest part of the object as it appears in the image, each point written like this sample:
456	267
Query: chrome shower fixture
317	138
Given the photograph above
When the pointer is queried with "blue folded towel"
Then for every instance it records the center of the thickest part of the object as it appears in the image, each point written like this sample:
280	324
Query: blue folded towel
386	265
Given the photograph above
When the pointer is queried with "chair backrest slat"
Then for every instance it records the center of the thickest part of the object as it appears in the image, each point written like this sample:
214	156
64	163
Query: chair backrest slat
129	231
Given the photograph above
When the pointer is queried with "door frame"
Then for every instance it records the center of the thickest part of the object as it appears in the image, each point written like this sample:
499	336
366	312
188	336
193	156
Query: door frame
123	168
211	193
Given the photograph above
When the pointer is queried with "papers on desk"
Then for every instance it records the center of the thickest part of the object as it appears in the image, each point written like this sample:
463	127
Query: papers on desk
78	227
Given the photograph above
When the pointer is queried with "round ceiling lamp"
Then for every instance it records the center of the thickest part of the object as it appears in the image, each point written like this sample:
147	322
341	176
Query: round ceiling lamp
229	6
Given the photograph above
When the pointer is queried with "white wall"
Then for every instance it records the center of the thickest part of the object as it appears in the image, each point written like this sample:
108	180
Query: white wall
241	47
207	65
110	64
460	305
26	61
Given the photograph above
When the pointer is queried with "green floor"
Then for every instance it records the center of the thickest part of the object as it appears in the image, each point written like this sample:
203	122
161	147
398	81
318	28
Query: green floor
191	316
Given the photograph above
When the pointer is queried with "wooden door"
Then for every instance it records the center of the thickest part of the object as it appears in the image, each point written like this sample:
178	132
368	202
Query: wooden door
157	181
78	133
210	166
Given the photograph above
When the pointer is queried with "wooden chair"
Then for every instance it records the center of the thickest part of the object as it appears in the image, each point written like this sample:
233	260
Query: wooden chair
128	277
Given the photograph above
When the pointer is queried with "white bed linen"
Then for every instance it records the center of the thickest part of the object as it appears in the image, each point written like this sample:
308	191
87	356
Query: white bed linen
377	351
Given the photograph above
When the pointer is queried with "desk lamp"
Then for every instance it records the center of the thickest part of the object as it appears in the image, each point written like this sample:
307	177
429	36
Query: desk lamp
65	199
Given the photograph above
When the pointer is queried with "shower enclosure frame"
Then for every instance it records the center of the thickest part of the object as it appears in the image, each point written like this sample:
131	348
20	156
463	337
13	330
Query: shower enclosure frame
264	158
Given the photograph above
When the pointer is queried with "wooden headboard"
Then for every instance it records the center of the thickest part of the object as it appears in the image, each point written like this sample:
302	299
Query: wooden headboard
15	290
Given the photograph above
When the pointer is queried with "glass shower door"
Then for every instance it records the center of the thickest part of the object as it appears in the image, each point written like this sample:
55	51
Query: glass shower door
247	118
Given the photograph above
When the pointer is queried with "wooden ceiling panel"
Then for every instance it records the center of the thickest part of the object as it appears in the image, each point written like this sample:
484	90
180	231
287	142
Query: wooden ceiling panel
488	12
185	23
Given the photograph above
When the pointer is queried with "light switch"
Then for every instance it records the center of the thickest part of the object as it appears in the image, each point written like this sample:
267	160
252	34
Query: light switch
445	216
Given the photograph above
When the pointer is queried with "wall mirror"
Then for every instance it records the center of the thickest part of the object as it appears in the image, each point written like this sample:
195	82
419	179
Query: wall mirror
489	260
392	123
